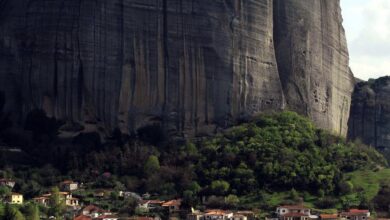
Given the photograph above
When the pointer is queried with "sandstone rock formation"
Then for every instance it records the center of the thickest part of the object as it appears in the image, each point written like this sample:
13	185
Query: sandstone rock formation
189	66
312	57
370	114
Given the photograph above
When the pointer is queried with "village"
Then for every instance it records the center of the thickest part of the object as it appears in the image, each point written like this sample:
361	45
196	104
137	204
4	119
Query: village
148	208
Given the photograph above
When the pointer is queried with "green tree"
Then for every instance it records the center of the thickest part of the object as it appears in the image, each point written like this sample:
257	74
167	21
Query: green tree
32	212
232	201
57	204
4	191
12	213
152	165
220	187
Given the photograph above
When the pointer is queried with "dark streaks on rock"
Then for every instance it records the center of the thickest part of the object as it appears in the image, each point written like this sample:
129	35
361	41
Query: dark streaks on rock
188	66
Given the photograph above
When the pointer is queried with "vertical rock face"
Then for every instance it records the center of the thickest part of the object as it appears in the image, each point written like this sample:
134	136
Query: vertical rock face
188	65
312	58
129	63
370	113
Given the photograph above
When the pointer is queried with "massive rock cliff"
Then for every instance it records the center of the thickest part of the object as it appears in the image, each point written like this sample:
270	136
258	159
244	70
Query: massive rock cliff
312	57
185	65
370	114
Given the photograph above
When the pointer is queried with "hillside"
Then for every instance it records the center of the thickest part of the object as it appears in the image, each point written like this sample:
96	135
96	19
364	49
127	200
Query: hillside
271	159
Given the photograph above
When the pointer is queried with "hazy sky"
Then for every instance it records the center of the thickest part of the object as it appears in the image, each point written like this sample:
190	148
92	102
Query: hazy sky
367	25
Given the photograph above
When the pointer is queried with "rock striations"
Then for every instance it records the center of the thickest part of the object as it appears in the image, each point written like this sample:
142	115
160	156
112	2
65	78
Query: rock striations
370	114
189	66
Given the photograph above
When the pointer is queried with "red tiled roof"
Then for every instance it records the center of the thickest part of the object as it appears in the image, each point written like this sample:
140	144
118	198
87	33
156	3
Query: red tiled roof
358	211
152	201
82	217
90	208
355	212
328	216
67	182
172	203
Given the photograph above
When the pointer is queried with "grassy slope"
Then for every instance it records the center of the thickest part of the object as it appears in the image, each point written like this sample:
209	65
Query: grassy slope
369	181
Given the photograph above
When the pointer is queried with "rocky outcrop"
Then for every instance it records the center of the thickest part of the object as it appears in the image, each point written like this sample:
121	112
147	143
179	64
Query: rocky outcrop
370	114
188	66
312	57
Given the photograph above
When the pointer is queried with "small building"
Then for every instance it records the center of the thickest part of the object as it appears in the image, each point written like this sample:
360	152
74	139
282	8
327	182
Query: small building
217	214
43	200
172	205
72	202
195	216
94	211
69	185
7	182
283	210
66	196
356	214
329	217
248	214
294	216
100	193
15	198
239	217
150	204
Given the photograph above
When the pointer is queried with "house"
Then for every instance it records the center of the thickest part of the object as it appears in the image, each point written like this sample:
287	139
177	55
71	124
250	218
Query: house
195	215
356	214
150	204
15	198
66	196
293	212
94	211
239	217
247	214
295	216
69	185
172	205
7	182
217	214
100	193
42	200
329	217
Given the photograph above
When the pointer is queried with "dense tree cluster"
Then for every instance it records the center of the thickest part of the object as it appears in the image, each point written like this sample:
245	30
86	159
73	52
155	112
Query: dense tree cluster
280	151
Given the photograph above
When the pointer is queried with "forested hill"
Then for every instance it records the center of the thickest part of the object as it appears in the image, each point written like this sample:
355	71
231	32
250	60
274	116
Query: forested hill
275	153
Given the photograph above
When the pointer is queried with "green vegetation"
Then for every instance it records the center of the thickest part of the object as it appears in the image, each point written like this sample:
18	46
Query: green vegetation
281	152
272	159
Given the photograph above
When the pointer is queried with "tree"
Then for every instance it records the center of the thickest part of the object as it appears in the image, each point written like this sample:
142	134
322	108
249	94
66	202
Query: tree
232	200
220	187
4	191
152	165
32	212
57	204
11	213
